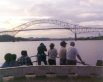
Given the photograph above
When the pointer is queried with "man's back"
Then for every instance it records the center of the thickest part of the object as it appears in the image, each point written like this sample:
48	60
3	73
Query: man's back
41	49
72	53
62	52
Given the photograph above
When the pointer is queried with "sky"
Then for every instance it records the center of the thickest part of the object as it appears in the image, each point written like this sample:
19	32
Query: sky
80	12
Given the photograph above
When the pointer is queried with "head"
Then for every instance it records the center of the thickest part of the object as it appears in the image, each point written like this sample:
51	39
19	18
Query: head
24	53
41	44
72	43
52	46
13	57
63	44
7	57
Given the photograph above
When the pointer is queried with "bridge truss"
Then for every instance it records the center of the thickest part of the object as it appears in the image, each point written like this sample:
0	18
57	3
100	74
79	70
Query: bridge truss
76	29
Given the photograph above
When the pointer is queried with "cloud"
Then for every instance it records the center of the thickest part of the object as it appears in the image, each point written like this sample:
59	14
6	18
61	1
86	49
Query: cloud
68	10
82	12
76	11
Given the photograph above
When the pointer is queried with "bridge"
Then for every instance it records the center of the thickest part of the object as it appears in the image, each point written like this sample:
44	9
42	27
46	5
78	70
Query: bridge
75	29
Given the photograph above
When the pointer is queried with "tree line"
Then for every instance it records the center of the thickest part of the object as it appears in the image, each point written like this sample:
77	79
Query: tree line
8	38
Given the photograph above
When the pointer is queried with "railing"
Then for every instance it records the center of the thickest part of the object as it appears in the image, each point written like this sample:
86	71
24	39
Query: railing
63	70
58	57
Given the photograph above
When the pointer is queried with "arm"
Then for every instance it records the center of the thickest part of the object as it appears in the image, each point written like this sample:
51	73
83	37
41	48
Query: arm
29	62
78	56
45	49
48	53
56	53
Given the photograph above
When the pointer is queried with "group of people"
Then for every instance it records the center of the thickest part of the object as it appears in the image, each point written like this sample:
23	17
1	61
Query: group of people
67	56
10	60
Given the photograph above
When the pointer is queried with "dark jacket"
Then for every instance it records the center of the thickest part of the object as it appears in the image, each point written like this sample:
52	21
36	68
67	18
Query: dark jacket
24	60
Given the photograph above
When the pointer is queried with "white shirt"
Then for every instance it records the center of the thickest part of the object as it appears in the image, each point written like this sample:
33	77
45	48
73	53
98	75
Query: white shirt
72	53
52	54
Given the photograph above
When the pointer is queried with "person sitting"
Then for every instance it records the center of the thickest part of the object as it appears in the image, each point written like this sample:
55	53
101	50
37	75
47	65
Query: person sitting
52	54
24	59
10	60
7	62
13	60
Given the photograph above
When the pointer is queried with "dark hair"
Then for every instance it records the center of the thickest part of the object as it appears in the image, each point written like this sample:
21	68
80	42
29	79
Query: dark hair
13	57
52	46
24	53
72	43
42	44
7	57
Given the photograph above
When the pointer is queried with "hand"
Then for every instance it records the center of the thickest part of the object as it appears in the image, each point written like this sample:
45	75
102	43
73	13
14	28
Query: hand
83	62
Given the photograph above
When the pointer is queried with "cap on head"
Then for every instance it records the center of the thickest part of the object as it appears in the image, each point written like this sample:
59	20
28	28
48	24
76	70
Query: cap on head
63	43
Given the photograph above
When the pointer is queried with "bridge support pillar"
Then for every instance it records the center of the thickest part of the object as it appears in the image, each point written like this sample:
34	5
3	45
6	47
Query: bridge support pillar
75	36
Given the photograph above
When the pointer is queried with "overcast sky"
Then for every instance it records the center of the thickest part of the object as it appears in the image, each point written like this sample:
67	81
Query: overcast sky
81	12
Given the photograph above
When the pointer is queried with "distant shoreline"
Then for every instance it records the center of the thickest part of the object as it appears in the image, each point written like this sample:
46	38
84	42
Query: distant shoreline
8	38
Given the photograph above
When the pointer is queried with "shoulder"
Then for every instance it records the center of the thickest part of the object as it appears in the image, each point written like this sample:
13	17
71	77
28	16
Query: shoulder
72	48
62	48
75	49
38	47
49	50
6	64
55	50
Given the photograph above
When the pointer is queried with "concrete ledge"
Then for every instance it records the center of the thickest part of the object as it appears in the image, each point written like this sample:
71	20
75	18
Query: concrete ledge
64	70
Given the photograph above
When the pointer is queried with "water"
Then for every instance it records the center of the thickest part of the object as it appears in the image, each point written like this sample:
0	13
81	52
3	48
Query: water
90	51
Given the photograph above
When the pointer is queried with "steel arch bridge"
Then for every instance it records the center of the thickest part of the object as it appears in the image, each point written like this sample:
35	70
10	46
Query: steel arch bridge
76	29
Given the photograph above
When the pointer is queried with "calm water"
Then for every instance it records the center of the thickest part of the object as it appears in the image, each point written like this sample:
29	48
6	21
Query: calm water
90	51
